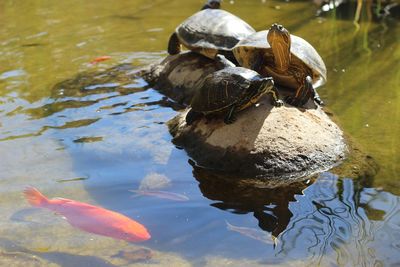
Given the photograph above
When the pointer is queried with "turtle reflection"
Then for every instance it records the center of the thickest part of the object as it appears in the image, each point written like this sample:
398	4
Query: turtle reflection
269	206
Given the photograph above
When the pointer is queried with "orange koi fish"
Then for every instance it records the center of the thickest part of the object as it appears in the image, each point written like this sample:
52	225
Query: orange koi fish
90	218
100	59
161	194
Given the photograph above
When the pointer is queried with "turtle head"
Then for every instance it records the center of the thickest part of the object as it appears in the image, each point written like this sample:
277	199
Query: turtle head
259	88
279	40
212	4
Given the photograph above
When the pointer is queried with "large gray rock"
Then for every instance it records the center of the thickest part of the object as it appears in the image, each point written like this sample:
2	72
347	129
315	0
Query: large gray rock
280	145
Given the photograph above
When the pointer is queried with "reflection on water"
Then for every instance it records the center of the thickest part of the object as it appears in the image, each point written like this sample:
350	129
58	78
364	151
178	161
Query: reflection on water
333	221
93	132
268	206
377	10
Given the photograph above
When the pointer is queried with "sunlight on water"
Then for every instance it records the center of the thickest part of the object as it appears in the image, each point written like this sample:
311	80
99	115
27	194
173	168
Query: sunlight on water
96	133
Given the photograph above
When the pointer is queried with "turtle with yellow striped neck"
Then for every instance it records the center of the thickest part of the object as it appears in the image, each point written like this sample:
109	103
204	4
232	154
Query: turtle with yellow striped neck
289	59
229	91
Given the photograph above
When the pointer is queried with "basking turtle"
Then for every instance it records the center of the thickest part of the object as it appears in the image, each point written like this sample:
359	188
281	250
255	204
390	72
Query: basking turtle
289	59
228	91
210	32
214	4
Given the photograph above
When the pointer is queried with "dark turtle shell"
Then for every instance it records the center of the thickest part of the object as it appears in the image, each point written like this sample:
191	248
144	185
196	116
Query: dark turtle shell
222	89
301	50
213	29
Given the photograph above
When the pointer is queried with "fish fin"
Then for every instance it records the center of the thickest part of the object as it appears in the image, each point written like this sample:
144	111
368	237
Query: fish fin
138	193
135	191
34	197
63	199
228	225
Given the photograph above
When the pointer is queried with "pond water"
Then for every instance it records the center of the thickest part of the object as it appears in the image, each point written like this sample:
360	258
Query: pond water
93	132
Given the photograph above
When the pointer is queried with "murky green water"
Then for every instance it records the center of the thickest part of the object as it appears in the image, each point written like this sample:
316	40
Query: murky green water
74	130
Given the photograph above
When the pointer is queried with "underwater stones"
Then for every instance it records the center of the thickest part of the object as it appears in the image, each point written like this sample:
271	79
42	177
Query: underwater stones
278	145
154	181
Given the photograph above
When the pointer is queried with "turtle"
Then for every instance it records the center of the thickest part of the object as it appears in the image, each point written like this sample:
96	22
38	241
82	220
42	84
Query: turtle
289	59
228	91
214	4
212	33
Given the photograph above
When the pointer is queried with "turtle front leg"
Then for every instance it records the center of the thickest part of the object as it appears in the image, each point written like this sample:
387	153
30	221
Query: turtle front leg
174	45
314	93
317	99
230	117
276	101
304	92
193	116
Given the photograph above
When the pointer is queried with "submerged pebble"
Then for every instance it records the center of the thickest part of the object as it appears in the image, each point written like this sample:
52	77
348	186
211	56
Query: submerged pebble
153	181
139	255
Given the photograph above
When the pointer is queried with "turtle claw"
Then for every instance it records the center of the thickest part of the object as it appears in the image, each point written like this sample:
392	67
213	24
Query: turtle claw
319	101
277	103
229	120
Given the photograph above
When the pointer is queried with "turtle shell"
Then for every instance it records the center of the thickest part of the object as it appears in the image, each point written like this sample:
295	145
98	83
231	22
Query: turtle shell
223	88
214	29
248	48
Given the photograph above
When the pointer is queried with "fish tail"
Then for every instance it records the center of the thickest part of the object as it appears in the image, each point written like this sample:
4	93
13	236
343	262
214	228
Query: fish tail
34	197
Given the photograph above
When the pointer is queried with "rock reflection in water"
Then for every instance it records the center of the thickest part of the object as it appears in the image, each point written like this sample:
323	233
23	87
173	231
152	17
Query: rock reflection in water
269	206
